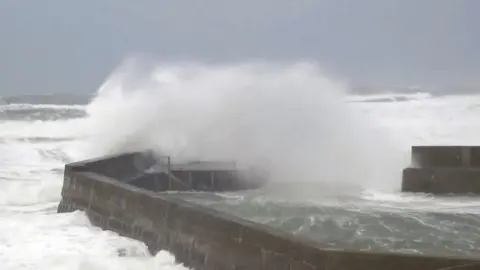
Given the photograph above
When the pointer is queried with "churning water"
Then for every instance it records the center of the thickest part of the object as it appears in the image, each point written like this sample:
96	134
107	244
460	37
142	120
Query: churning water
336	164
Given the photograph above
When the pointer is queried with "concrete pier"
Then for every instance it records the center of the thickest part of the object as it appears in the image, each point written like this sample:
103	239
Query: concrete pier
446	156
122	194
443	170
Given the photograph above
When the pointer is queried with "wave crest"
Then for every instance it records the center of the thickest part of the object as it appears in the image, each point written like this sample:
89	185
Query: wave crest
292	119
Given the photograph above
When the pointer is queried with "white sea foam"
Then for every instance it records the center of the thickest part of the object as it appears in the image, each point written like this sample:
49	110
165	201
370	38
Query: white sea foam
292	119
67	241
32	235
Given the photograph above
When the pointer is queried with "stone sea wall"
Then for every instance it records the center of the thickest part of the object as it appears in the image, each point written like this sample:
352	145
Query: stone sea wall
443	170
203	238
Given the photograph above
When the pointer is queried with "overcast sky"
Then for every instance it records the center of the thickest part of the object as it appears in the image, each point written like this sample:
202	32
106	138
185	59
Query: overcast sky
71	46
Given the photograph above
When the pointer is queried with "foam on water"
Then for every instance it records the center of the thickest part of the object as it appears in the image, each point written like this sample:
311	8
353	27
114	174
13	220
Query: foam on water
293	116
68	241
32	234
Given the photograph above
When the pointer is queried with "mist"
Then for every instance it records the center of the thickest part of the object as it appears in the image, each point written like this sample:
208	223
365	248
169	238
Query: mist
290	119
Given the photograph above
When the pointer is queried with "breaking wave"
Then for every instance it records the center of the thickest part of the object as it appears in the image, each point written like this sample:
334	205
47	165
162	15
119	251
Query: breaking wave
290	119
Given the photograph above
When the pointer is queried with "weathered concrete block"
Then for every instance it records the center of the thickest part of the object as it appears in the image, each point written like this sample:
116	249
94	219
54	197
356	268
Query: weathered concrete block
118	166
445	156
442	180
443	170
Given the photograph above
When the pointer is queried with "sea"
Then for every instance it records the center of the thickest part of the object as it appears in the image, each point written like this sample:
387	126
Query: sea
325	145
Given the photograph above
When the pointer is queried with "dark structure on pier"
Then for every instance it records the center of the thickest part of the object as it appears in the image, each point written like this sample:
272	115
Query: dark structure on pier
130	194
443	170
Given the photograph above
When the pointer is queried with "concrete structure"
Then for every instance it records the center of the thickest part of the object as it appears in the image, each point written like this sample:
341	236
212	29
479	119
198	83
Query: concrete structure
203	238
446	156
443	170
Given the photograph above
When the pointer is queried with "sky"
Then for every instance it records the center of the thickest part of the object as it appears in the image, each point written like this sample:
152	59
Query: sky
71	46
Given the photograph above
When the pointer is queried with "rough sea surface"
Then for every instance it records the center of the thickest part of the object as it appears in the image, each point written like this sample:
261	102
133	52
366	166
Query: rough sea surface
368	220
37	139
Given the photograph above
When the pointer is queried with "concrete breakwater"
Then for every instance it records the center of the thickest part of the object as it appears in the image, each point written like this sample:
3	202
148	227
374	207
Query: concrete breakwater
120	193
443	170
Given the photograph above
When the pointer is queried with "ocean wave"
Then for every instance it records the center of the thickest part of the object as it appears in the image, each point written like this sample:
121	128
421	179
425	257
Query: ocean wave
35	139
29	106
38	130
48	98
390	97
55	154
32	112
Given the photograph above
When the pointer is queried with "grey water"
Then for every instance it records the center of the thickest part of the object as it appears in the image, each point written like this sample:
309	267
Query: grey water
365	220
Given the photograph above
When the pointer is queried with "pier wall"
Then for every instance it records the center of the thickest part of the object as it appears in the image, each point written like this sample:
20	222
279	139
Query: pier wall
451	156
443	170
203	238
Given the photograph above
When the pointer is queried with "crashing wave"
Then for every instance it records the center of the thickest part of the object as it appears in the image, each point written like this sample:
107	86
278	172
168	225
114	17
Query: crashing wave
389	97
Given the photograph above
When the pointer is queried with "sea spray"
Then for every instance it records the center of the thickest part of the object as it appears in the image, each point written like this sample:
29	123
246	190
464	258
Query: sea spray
291	119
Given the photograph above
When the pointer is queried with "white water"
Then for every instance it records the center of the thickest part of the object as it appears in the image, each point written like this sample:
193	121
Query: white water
293	119
32	235
268	110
